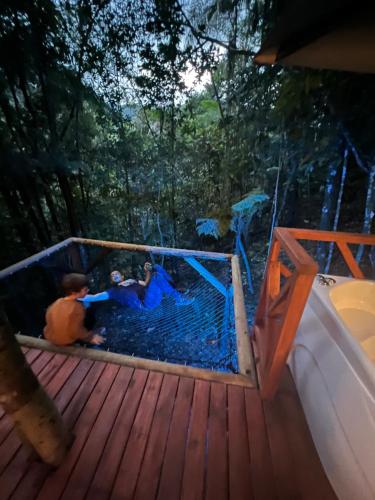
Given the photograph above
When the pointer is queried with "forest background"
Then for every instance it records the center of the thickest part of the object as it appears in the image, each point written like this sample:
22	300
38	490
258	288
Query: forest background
131	120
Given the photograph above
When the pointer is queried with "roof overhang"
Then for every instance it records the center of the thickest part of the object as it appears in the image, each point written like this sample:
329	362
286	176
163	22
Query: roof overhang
330	34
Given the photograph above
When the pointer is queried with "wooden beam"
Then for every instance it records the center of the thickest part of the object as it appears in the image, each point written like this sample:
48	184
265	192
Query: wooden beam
297	254
350	260
315	235
244	350
206	275
282	343
175	252
132	361
34	258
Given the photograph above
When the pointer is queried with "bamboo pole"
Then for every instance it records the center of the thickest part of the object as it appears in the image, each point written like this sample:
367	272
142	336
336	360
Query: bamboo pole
244	349
134	362
176	252
34	258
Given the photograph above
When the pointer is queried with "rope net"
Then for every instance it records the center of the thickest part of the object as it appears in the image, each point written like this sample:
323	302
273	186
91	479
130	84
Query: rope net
200	333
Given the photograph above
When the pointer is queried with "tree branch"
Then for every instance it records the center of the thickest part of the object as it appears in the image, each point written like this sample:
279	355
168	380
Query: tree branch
198	34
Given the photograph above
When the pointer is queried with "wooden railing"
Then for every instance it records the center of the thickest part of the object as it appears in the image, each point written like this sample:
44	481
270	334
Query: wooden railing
284	295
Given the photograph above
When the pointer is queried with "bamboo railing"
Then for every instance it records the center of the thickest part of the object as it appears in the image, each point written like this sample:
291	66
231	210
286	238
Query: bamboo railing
281	305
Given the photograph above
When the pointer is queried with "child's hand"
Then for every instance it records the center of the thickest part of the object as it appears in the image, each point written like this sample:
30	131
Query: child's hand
97	339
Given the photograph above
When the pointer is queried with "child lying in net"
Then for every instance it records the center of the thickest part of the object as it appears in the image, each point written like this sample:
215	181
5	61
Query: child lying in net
135	294
65	317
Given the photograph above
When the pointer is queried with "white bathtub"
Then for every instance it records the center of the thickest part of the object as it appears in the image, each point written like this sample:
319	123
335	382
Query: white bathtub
333	365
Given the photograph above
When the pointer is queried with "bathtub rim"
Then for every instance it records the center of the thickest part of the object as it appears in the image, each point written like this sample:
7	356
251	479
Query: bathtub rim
351	349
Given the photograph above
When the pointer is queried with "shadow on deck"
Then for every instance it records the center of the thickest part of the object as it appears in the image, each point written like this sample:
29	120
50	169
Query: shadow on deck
147	435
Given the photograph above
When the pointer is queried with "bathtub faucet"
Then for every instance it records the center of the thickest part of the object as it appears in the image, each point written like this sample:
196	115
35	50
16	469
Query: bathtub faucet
325	280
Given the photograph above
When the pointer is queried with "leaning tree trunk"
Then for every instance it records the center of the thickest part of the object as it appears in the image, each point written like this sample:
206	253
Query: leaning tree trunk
325	220
338	208
36	419
369	210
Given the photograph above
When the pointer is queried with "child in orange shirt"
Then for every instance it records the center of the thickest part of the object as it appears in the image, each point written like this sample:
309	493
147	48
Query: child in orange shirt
65	317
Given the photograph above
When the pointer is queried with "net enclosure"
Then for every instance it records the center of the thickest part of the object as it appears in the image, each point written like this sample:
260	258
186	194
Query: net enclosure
197	329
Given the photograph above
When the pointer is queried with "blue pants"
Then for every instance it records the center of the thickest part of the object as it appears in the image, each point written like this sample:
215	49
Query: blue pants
158	287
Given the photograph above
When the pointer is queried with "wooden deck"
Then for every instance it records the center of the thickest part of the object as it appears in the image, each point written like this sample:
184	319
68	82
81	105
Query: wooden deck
146	435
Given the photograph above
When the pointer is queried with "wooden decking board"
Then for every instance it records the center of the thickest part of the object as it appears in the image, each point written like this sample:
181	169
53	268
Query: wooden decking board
143	435
113	451
128	472
31	355
20	465
70	403
217	445
56	482
308	470
49	371
194	470
173	465
150	472
12	443
239	457
262	478
85	467
41	361
5	423
281	454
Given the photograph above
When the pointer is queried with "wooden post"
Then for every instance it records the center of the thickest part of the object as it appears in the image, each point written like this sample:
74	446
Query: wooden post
244	351
35	417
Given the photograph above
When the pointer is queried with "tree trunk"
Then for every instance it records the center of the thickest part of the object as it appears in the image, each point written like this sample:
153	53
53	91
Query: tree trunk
35	417
26	200
69	203
18	219
338	207
369	210
51	205
326	211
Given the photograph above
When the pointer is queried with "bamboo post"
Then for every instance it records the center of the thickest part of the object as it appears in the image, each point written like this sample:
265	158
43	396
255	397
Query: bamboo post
131	247
35	417
244	350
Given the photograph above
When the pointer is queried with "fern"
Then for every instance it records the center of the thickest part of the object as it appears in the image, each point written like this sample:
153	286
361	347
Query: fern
208	227
249	205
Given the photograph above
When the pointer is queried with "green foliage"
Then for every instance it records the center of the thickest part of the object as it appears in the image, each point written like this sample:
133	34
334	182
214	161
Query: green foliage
100	137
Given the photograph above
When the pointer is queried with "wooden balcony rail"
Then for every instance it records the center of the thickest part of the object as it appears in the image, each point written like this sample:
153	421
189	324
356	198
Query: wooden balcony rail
281	305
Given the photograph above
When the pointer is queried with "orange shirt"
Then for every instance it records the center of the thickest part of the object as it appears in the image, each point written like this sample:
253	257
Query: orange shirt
64	322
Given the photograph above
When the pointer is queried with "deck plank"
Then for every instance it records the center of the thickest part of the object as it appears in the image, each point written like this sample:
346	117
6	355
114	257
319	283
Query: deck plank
126	479
239	458
309	474
56	482
149	476
5	423
260	457
119	434
30	355
20	465
217	449
194	471
142	435
85	467
281	453
70	401
12	442
173	466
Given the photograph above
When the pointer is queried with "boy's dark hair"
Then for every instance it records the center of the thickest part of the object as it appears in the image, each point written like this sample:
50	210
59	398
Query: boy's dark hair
74	282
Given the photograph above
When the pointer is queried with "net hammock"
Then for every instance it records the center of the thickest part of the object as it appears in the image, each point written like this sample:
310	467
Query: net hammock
199	334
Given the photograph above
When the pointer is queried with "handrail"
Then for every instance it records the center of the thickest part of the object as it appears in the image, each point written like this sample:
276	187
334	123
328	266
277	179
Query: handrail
281	304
